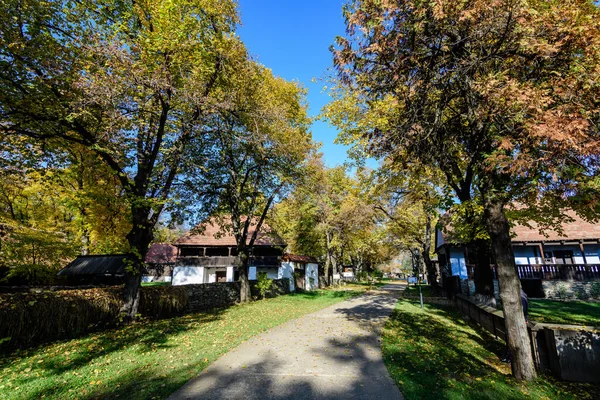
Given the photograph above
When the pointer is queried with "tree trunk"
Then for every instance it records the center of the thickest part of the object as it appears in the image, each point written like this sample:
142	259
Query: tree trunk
429	266
243	269
139	239
484	276
328	259
510	290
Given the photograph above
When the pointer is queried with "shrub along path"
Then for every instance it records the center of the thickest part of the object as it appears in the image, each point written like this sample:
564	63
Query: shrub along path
330	354
148	359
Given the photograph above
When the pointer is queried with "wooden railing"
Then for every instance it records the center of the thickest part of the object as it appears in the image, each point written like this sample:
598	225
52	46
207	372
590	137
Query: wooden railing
577	272
223	261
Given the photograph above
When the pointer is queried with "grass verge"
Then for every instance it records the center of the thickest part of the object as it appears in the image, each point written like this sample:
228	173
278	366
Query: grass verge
148	359
151	284
565	312
413	290
434	354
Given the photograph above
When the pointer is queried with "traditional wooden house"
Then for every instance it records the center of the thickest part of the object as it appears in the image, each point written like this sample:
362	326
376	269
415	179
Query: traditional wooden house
570	255
208	254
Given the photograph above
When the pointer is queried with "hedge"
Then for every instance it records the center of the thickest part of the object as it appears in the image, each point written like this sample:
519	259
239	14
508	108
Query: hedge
31	318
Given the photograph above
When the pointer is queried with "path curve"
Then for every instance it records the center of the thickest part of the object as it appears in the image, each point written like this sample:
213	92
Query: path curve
333	353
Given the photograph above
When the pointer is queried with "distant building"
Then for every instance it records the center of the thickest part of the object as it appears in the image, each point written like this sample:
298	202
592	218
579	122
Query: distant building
208	254
303	271
573	255
99	269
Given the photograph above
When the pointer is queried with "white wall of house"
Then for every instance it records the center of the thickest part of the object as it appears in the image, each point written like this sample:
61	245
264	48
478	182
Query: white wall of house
230	274
287	271
185	275
592	253
312	276
252	273
457	262
526	255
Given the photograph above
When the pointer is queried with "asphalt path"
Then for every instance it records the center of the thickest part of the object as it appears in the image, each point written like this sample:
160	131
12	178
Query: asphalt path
333	353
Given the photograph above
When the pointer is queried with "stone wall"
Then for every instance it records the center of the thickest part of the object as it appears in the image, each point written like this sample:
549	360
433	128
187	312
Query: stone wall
581	290
208	296
570	353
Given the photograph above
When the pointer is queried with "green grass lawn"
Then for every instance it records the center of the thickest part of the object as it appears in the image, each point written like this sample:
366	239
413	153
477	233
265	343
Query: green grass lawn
148	359
565	312
434	354
156	284
413	290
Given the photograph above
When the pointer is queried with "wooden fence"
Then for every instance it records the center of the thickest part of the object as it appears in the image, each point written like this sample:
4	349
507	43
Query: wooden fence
568	352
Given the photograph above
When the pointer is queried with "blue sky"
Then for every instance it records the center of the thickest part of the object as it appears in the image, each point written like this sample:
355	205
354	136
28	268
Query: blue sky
292	38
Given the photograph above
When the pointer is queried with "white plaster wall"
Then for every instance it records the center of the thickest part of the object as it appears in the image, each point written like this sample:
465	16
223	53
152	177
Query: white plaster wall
183	275
229	274
592	253
457	262
287	271
525	255
212	275
252	273
312	271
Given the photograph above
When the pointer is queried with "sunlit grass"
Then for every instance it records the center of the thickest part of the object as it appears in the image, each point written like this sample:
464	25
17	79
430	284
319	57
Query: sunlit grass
149	359
565	312
434	354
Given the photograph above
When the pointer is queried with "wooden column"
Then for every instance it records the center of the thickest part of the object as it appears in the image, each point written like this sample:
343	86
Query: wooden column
543	260
582	252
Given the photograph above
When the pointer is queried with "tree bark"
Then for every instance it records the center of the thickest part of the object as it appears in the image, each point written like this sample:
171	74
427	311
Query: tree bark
510	290
139	239
244	271
429	266
328	259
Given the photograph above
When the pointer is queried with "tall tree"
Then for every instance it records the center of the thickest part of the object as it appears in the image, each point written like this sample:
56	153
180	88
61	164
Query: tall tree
499	95
254	152
131	81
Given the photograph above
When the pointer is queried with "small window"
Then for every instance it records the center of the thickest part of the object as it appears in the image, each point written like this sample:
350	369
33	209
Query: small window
221	276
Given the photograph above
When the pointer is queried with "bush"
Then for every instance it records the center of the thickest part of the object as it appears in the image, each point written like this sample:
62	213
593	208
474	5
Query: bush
29	274
263	284
362	276
595	290
30	318
377	275
582	294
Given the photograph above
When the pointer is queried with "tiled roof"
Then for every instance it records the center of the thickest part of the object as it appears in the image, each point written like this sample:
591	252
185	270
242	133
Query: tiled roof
161	253
299	259
578	229
209	233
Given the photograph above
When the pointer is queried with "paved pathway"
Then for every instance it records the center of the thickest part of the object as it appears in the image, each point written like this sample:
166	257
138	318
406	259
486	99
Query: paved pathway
333	353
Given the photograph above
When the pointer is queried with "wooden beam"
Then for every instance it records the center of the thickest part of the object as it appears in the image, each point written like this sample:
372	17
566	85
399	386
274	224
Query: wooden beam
582	252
